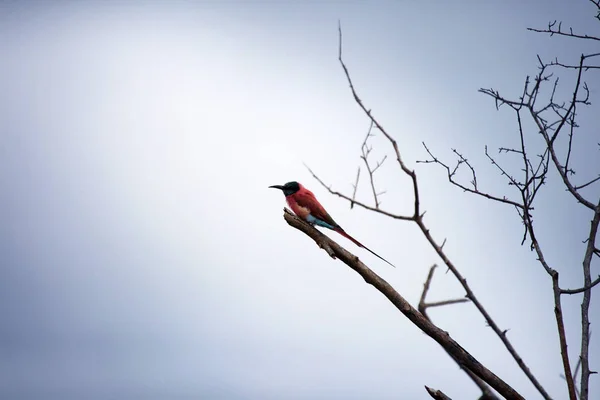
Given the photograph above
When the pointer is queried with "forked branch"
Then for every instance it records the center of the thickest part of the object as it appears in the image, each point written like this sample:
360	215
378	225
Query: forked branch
486	391
366	151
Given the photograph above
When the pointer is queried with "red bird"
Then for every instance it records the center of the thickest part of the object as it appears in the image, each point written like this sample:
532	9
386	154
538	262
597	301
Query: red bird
306	206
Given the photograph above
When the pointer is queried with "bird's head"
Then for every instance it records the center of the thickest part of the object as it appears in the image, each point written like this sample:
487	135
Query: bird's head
289	188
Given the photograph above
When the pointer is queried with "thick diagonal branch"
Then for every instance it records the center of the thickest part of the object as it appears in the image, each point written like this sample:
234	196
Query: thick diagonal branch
464	358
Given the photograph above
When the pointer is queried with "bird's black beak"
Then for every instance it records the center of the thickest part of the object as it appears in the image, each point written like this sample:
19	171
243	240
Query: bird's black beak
276	187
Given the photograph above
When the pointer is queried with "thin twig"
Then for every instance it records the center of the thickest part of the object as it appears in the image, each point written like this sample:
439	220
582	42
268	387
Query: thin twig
366	150
366	207
587	184
581	289
445	302
403	166
474	190
558	31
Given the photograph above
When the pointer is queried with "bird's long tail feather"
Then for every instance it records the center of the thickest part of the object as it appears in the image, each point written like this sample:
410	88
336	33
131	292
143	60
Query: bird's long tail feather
359	244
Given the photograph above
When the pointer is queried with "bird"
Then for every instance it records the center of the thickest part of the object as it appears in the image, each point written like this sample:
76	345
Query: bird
306	206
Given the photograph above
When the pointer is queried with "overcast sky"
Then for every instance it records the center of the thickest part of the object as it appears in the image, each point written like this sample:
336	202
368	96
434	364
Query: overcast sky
142	255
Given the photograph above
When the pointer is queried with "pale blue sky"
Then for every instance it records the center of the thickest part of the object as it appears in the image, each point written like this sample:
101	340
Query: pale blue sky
142	255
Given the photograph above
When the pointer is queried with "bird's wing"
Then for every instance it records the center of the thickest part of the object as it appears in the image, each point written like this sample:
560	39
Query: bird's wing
308	200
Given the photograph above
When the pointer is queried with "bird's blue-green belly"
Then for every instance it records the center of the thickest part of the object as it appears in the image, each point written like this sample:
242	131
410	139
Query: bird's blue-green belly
316	221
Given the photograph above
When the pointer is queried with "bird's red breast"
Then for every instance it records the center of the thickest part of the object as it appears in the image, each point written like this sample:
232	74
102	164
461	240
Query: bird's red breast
304	202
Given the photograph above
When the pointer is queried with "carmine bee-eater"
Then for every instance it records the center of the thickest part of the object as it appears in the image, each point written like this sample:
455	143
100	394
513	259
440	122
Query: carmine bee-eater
306	206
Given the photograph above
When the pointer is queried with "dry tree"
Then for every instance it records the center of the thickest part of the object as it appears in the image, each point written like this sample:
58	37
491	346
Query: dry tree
554	120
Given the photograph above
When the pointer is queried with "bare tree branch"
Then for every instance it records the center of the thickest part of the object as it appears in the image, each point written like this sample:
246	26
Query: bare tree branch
588	183
585	67
451	173
582	289
574	375
403	166
445	302
443	338
553	29
511	179
423	305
